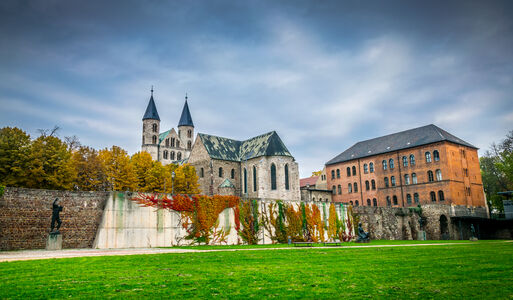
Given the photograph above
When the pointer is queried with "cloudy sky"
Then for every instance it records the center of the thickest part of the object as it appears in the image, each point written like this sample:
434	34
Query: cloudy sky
323	74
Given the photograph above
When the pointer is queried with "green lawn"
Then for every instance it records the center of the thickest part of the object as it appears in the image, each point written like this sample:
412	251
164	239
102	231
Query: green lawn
465	270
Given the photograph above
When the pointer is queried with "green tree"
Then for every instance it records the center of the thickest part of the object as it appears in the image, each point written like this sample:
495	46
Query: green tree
14	156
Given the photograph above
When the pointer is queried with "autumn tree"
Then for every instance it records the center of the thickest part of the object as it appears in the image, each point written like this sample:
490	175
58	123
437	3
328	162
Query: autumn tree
14	156
90	170
142	163
118	169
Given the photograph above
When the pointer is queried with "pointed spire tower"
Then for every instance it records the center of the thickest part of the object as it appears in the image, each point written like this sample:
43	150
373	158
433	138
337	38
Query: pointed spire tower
151	129
186	128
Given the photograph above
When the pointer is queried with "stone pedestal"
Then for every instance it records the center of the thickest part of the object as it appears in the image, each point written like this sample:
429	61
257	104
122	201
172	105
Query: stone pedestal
54	241
421	236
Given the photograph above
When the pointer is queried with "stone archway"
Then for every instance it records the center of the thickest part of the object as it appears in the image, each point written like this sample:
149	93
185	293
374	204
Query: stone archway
444	228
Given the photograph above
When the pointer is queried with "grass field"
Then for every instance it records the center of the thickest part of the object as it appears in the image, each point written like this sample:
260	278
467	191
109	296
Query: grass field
466	270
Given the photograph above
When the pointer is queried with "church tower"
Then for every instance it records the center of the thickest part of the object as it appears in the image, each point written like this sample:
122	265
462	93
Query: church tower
151	129
186	129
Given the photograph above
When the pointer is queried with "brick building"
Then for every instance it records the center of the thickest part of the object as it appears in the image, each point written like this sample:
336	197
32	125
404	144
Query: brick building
425	165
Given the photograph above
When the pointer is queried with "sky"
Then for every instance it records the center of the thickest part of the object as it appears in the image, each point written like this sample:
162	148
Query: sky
322	74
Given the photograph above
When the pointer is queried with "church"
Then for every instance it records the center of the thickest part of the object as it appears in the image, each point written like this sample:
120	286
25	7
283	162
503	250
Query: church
260	167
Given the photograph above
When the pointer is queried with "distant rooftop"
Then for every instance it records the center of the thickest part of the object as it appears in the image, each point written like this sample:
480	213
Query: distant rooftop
308	181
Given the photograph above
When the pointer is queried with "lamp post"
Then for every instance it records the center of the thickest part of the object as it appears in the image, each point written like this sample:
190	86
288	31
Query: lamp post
173	183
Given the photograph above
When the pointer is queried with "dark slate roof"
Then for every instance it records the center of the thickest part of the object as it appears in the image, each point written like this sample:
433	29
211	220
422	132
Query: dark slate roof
398	141
186	119
151	111
268	144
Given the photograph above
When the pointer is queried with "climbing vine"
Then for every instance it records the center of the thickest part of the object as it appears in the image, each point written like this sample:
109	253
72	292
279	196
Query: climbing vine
249	219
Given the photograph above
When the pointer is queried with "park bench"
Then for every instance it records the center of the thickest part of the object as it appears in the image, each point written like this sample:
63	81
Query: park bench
332	243
301	244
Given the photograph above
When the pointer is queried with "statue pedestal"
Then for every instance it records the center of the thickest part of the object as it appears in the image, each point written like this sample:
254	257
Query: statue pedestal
421	236
54	241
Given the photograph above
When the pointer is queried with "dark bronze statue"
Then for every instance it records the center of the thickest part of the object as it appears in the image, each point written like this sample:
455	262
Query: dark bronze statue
362	235
56	209
473	232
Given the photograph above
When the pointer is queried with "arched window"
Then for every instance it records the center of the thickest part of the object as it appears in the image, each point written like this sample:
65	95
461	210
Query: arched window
286	177
436	155
154	139
395	199
365	169
351	202
384	162
392	180
245	181
391	163
172	155
389	203
354	171
441	196
165	154
233	174
412	159
367	185
338	173
438	175
408	198
349	188
177	143
202	173
413	178
167	142
348	172
375	202
405	161
172	142
433	196
179	156
368	202
356	203
332	174
273	176
373	184
371	167
254	179
416	198
428	157
334	190
189	133
189	145
143	140
406	179
154	127
355	187
386	181
430	176
220	172
339	189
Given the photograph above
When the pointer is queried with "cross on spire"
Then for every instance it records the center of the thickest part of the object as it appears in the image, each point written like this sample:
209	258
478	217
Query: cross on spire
152	90
186	96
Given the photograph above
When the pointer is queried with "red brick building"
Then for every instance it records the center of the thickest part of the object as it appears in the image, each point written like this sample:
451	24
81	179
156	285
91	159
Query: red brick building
425	165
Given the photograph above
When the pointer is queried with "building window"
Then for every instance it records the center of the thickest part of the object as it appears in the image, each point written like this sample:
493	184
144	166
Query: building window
416	198
332	174
373	184
395	199
154	127
355	187
233	174
368	202
413	178
436	155
384	162
375	202
189	133
391	163
202	173
220	172
354	171
351	202
172	155
428	157
165	154
273	176
392	180
154	139
408	198
334	190
245	181
339	189
433	196
412	159
389	203
438	175
167	142
172	142
349	188
367	185
441	196
371	167
179	156
286	177
405	161
356	203
430	176
189	145
348	172
338	173
254	179
177	143
386	181
365	168
406	179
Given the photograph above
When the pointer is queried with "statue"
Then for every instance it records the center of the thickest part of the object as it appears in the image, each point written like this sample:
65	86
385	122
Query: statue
362	235
473	236
56	209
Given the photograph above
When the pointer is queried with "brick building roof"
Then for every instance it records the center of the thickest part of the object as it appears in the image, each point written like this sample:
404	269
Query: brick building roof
308	181
398	141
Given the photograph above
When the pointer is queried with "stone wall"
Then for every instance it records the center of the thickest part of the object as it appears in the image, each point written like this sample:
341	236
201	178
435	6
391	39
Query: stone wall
25	217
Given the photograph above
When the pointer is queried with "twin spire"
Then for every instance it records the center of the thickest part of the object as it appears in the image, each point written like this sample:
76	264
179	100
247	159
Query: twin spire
151	112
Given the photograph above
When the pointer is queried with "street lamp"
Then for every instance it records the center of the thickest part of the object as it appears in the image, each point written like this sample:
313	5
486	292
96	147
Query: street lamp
172	182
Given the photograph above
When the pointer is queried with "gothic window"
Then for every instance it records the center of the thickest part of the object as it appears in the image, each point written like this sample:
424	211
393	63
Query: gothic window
436	155
189	145
405	161
438	175
172	142
338	173
386	181
339	189
354	171
154	139
177	143
179	156
165	155
202	173
332	174
413	178
189	133
433	196
441	196
384	162
375	202
373	184
371	167
356	203
367	185
172	155
286	177
245	181
416	198
392	180
348	171
408	198
412	159
167	142
273	177
430	176
395	199
220	172
391	163
365	169
355	187
233	174
406	179
368	202
154	127
428	157
349	188
389	203
334	190
254	179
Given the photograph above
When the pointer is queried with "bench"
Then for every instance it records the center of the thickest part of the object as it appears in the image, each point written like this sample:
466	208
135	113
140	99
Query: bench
306	244
332	243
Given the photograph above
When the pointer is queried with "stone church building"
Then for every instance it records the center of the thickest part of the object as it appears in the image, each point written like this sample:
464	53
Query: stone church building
258	168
